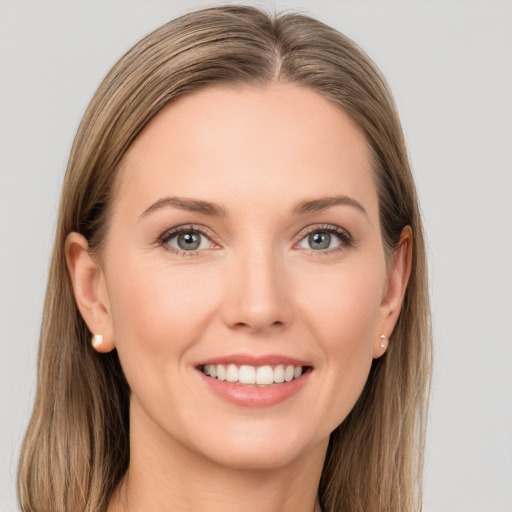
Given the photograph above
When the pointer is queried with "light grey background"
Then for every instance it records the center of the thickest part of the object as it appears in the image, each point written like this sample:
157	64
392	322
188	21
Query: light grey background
449	65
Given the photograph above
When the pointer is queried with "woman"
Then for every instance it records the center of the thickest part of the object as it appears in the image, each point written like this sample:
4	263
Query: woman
239	238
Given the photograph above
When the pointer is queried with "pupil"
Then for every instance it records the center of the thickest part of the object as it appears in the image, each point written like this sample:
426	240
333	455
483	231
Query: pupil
189	241
319	240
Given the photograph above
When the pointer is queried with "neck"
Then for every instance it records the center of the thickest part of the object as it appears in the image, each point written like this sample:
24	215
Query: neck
243	491
164	475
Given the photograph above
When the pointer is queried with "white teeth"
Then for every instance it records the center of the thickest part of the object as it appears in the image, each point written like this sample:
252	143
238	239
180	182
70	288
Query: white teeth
221	372
232	373
264	375
247	374
261	375
279	373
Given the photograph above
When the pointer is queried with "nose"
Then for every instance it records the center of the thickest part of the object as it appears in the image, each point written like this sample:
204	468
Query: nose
258	293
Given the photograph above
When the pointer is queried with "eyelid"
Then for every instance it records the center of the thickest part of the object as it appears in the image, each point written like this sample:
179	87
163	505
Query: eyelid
183	228
345	237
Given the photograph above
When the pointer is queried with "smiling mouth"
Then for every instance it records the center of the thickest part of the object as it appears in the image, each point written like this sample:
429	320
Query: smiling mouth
261	376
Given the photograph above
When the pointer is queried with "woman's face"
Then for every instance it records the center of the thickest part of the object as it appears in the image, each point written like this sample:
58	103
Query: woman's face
245	244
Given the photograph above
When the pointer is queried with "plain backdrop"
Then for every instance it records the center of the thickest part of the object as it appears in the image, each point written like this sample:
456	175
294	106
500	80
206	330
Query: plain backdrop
449	66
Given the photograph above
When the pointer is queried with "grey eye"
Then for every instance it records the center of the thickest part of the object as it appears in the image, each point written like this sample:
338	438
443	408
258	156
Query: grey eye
189	240
319	240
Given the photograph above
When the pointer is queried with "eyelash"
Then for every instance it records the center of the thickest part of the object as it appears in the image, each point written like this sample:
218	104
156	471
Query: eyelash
164	239
345	238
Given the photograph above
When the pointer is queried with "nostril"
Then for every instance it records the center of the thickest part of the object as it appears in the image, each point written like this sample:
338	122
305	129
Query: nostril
257	325
255	300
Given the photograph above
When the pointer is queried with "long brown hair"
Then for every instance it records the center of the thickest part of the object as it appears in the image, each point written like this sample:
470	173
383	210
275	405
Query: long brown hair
76	448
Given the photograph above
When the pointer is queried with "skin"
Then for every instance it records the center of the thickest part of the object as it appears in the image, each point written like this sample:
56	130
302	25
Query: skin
256	286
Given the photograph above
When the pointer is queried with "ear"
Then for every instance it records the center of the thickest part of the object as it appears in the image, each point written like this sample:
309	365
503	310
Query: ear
89	288
393	297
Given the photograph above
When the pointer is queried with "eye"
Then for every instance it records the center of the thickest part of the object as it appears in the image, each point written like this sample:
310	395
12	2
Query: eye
186	239
325	238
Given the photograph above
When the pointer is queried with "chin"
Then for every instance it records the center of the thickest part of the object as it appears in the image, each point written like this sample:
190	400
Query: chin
262	448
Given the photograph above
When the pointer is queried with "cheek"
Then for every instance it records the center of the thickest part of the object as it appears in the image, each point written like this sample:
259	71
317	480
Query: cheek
343	312
158	313
344	303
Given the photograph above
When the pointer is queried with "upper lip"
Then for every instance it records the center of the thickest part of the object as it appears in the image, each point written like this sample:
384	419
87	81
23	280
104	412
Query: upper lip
253	360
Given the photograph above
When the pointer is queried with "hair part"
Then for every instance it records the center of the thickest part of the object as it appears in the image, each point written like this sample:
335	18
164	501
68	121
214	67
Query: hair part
76	448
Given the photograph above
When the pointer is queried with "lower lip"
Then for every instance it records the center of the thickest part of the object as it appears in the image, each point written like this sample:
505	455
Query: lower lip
254	396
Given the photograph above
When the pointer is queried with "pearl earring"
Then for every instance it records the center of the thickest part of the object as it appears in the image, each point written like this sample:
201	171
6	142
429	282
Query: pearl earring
97	340
382	341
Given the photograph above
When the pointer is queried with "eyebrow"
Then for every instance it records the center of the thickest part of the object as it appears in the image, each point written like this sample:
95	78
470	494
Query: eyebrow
315	205
215	210
191	205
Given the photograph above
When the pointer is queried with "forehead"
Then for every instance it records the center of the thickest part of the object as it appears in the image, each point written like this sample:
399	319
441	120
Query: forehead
218	143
